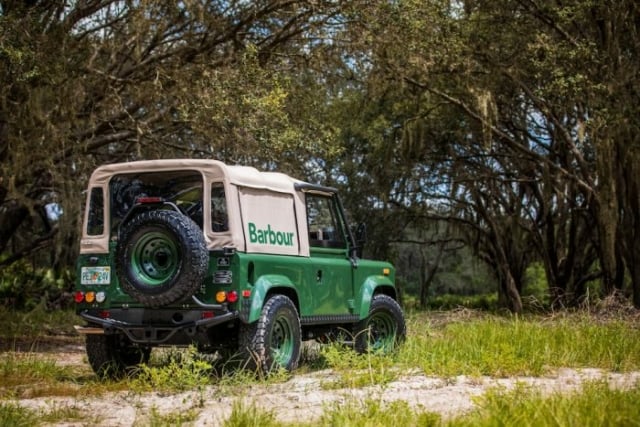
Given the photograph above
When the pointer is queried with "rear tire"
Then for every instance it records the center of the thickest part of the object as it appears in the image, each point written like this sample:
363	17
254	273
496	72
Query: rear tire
274	341
383	329
114	356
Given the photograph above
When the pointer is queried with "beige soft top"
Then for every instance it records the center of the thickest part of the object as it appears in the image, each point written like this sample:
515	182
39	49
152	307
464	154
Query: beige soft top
246	203
245	176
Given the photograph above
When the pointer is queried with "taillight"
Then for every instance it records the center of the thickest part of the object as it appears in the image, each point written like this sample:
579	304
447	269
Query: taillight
221	296
78	297
232	296
90	297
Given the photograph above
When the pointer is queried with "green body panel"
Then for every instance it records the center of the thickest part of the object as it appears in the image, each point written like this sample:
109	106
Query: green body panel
322	285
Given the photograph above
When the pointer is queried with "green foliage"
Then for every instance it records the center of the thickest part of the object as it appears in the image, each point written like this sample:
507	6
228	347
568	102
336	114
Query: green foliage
24	287
536	285
473	302
182	370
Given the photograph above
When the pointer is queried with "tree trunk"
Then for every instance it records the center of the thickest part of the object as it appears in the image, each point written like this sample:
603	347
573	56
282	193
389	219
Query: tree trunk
607	213
427	274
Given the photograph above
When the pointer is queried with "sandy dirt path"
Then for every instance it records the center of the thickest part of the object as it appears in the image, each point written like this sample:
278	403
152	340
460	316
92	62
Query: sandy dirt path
305	396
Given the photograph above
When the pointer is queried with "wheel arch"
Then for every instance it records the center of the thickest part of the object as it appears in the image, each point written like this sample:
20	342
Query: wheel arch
267	286
372	286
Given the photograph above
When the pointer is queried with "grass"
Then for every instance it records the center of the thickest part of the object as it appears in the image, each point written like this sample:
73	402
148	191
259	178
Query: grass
35	325
481	344
440	344
14	415
173	419
28	376
250	416
594	405
373	413
499	346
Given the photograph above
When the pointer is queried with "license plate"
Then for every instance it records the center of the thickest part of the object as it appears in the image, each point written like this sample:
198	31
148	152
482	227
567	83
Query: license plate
95	275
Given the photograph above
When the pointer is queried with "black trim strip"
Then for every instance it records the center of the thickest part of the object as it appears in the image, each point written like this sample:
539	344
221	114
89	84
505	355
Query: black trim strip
329	318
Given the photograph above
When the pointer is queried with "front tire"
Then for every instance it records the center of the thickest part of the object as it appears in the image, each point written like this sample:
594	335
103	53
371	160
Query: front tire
113	356
274	340
383	329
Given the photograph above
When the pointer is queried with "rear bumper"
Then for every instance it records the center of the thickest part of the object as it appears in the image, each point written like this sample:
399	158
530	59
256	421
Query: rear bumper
150	333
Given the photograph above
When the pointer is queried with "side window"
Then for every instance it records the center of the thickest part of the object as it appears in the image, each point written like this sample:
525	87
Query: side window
324	227
219	219
95	223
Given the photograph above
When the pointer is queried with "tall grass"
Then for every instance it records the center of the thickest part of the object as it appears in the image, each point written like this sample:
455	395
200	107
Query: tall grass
36	324
26	376
14	415
500	346
595	405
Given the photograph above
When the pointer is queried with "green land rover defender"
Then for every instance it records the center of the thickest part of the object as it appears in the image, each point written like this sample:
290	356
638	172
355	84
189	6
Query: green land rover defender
229	259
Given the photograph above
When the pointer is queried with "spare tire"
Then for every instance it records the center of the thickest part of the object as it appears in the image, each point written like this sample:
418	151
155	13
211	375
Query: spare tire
161	257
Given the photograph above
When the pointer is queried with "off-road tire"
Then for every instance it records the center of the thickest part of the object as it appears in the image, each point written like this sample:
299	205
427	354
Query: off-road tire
161	257
383	329
113	356
274	340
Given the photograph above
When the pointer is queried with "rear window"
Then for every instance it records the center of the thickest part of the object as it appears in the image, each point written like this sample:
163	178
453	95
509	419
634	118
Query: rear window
182	188
95	219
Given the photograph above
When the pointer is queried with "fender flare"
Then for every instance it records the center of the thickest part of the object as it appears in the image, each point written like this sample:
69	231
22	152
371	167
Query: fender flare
263	287
373	285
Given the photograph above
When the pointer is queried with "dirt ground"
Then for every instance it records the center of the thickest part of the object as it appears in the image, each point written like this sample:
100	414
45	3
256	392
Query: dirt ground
303	397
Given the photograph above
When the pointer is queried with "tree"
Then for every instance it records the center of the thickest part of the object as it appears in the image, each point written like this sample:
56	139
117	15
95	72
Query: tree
97	81
518	99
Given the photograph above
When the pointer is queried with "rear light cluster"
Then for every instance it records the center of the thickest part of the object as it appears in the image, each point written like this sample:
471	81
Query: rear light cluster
230	296
89	297
224	296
